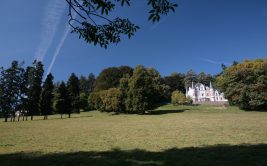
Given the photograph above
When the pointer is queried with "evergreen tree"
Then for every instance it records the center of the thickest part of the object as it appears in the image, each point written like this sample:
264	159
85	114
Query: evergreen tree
63	104
74	92
35	74
46	103
84	85
91	81
11	81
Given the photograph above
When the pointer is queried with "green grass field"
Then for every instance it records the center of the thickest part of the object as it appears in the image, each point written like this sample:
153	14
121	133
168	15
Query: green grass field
170	135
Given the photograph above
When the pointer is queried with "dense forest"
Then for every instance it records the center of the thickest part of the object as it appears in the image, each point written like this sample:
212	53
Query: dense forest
122	89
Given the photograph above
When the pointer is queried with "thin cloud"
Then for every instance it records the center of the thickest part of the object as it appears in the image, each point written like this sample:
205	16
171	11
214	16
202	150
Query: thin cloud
60	44
214	62
53	13
58	48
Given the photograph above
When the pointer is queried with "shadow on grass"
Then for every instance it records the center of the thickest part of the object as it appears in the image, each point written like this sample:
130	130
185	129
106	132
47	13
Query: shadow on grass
161	112
219	155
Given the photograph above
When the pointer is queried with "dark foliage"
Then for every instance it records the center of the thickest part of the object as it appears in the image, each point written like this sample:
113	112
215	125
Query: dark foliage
63	104
73	88
86	84
46	103
35	75
175	81
90	19
11	89
110	77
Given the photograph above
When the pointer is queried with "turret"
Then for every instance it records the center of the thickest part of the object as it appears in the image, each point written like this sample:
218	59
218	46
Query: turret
210	85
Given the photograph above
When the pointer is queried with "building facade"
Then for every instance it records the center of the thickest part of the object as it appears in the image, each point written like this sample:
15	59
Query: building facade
202	93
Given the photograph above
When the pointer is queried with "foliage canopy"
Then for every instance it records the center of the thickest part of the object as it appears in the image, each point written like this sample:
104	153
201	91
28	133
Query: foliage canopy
245	84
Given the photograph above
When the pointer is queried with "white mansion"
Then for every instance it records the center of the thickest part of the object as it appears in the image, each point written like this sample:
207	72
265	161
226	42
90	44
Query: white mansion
199	93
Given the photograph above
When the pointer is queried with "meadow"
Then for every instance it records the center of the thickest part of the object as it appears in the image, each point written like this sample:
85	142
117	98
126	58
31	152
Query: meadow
170	135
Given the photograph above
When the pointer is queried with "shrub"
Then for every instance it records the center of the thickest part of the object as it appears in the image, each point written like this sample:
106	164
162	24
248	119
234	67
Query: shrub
178	98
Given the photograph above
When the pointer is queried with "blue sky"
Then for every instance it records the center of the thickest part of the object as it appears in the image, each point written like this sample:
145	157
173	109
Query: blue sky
200	35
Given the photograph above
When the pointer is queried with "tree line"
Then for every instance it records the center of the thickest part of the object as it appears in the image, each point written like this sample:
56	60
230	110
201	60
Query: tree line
119	89
122	89
22	91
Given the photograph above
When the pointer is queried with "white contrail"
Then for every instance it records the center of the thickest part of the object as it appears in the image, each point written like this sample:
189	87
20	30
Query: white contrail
59	46
53	13
214	62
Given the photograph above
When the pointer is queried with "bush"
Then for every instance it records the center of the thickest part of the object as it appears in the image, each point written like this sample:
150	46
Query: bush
178	98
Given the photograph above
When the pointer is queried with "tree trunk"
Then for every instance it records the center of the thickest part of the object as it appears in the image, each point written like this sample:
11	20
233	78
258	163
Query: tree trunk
61	116
18	118
5	118
31	117
69	115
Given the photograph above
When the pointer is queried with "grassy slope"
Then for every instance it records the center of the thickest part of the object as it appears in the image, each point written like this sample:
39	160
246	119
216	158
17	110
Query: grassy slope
163	138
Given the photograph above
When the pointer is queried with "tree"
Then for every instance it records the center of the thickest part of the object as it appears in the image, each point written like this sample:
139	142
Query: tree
35	75
46	103
110	77
83	101
204	78
245	84
91	81
190	77
63	104
94	101
86	84
175	81
94	25
83	83
11	82
124	82
74	93
144	89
